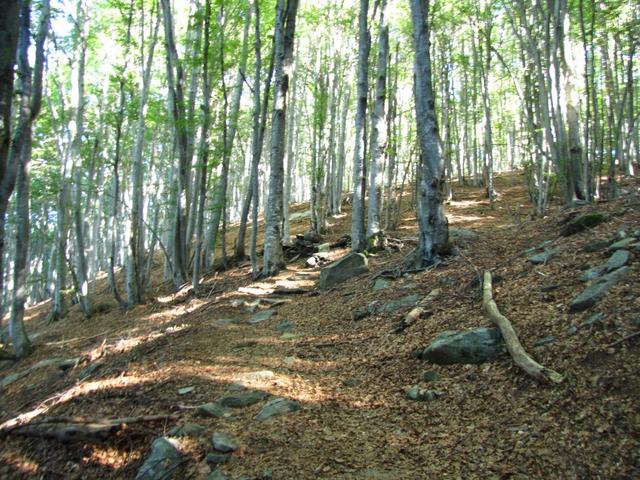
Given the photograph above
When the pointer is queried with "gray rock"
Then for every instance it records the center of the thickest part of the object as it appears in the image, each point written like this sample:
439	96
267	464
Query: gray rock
619	259
544	257
418	394
312	261
380	284
218	457
185	390
398	304
213	410
430	376
285	326
217	475
596	246
582	222
624	243
472	346
462	234
223	442
594	292
242	399
349	266
262	316
594	321
549	287
592	274
572	330
187	430
635	246
277	406
360	313
621	234
162	462
223	322
545	341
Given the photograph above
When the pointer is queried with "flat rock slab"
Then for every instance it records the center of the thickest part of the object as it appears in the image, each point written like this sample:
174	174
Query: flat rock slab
217	475
543	257
242	399
381	284
262	316
277	406
418	394
620	244
618	260
187	430
217	458
161	462
594	292
213	410
349	266
472	346
223	442
398	304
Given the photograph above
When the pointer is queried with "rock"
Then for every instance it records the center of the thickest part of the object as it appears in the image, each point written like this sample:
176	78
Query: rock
258	375
161	462
223	322
360	313
582	222
217	475
311	236
285	325
380	284
594	292
185	390
592	274
472	346
594	321
544	257
187	430
242	399
545	341
596	246
549	287
430	376
213	410
218	457
462	234
572	330
635	246
223	442
349	266
621	234
324	247
312	261
277	406
398	304
619	259
262	316
619	245
418	394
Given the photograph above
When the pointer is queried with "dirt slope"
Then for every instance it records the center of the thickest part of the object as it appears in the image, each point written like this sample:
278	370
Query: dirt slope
350	376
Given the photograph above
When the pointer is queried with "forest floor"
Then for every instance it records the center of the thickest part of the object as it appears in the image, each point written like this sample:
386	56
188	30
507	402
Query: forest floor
350	377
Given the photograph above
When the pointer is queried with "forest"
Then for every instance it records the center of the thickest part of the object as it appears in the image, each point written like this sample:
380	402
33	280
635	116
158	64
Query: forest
167	167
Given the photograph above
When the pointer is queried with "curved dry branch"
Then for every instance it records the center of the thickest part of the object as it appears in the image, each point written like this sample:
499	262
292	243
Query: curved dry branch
520	357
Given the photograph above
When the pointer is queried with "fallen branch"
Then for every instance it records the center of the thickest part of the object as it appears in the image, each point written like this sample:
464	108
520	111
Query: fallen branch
622	340
70	429
517	352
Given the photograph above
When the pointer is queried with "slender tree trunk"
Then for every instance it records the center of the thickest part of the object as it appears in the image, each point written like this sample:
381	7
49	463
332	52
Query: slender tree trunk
283	45
434	233
290	158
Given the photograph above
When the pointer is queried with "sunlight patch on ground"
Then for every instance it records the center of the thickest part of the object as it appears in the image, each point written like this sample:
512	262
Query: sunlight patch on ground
109	457
20	463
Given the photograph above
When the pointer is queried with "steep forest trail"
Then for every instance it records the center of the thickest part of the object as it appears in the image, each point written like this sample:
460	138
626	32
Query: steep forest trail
349	377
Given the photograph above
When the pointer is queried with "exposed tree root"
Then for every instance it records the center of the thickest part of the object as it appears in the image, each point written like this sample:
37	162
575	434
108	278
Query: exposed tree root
520	357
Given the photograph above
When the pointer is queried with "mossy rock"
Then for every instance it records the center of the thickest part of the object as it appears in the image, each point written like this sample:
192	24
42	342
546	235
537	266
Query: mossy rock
582	222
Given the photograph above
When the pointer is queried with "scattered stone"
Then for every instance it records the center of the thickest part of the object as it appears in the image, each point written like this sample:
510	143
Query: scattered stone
621	234
277	406
619	259
430	376
311	236
217	475
350	382
161	462
213	410
635	246
187	430
582	222
545	341
262	316
619	245
591	274
462	234
596	246
360	313
472	346
324	247
185	390
594	292
349	266
572	330
418	394
594	321
398	304
242	399
544	257
380	284
285	326
218	457
549	287
223	442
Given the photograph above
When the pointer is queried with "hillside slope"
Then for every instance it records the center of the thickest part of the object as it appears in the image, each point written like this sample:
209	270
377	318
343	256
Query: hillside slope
349	377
